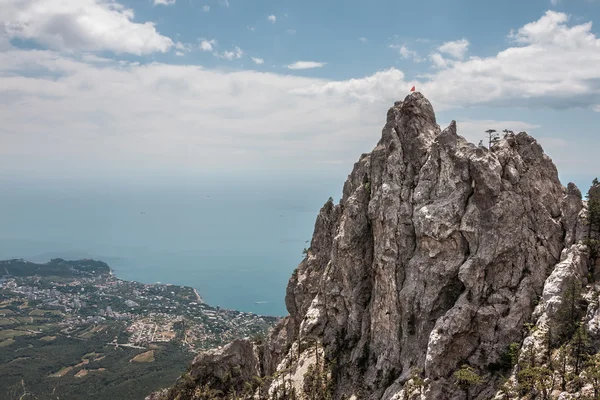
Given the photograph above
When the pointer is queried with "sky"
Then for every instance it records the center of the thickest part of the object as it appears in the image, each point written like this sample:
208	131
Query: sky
164	90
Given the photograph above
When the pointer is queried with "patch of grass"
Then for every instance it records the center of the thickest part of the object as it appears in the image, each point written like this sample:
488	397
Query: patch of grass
42	313
88	333
7	321
11	333
37	328
82	363
48	338
144	357
20	359
111	373
81	373
6	312
7	342
62	372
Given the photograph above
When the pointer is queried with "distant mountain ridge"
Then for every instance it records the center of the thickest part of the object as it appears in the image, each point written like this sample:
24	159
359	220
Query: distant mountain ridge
55	267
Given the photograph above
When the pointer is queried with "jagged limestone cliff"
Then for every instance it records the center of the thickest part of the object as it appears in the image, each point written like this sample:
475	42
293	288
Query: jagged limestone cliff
436	257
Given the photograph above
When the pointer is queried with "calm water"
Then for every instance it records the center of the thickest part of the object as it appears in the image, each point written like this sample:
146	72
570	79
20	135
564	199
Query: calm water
236	243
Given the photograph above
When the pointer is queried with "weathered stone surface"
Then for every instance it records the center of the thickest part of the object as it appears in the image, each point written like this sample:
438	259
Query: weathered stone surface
435	256
237	360
441	248
571	270
225	369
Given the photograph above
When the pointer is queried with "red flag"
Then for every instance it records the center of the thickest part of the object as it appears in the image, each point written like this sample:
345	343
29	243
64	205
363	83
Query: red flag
413	89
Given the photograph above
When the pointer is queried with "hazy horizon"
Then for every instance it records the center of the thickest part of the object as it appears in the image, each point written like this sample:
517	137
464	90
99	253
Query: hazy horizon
236	244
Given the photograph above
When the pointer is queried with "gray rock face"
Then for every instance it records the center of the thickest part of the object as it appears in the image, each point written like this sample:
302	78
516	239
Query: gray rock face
230	366
222	370
435	256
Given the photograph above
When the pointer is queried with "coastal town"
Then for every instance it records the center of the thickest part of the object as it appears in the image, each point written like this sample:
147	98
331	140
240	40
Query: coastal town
79	298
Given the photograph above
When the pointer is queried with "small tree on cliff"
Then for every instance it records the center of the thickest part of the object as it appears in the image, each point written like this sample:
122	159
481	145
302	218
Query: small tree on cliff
536	381
592	372
593	197
560	364
206	393
569	313
493	137
414	383
579	348
466	378
593	221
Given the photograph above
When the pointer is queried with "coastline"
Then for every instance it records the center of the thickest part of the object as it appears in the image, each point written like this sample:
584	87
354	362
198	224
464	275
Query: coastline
118	271
198	297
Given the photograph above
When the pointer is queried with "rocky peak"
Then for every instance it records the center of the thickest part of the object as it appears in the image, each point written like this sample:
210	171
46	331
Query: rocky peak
435	257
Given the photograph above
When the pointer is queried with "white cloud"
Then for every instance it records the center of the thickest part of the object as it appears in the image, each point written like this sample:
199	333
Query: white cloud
164	2
91	25
552	65
291	31
224	3
272	18
179	53
70	113
183	46
306	65
554	2
160	119
258	61
438	61
235	54
379	87
552	31
207	45
406	53
456	49
251	28
363	39
206	8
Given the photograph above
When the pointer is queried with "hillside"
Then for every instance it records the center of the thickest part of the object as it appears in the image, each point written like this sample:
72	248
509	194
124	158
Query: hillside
56	267
72	330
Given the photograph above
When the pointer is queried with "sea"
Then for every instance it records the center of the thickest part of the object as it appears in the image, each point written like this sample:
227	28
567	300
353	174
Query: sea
235	241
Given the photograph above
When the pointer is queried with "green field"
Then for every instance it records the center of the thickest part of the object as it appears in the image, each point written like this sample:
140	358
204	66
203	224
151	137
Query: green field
11	333
76	368
7	321
7	342
42	313
144	357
